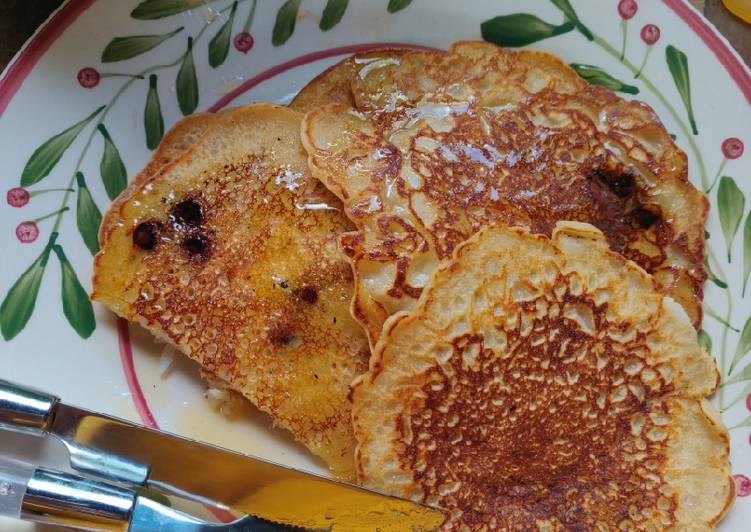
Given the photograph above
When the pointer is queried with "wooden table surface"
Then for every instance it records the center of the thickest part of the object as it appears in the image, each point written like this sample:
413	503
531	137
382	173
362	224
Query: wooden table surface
19	19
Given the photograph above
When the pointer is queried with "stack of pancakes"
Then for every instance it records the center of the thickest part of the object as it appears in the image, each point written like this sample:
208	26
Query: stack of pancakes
468	278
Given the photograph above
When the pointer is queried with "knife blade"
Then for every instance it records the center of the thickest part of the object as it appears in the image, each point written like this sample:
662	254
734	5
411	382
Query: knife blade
119	450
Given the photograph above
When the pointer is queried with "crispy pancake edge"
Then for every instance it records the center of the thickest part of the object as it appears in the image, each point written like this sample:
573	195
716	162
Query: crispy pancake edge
173	144
365	306
160	334
406	321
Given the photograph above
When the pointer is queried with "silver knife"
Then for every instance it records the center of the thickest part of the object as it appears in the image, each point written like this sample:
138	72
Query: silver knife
122	452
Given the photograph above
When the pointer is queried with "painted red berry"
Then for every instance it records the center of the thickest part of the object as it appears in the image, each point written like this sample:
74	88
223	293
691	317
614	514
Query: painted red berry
27	232
243	42
742	485
650	34
732	148
627	8
88	77
18	197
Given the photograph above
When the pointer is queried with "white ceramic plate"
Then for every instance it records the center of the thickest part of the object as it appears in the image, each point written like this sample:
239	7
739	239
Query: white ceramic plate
79	71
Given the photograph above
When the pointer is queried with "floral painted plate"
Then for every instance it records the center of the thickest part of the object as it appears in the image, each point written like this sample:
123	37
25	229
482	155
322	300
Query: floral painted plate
92	93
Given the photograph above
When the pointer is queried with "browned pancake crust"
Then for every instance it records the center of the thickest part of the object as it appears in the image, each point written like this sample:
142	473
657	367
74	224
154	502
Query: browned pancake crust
440	145
545	383
334	85
173	144
245	276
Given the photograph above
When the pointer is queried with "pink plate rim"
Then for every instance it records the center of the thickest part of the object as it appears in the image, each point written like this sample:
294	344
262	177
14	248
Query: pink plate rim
19	68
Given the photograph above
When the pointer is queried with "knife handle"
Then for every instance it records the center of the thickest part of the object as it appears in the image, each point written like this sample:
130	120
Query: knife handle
71	500
14	476
24	409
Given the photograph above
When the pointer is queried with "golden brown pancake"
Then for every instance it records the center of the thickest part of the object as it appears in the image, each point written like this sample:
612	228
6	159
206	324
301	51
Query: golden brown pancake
334	85
440	145
230	254
545	384
175	142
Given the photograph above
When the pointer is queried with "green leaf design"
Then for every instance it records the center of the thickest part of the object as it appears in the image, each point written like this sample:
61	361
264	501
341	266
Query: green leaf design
678	65
88	217
744	344
153	122
332	14
76	305
744	392
520	29
568	11
187	84
122	48
746	252
705	340
219	44
151	9
397	5
710	312
745	423
597	76
743	375
18	305
112	169
712	277
46	156
284	25
730	202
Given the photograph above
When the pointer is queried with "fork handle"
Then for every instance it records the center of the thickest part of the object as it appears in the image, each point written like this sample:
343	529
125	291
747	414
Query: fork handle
67	499
42	495
24	409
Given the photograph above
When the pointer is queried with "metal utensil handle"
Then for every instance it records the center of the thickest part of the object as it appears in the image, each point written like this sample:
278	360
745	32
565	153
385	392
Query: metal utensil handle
14	476
24	409
76	501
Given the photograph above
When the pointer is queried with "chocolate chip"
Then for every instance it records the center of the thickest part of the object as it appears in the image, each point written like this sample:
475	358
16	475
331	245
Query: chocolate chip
145	235
307	294
188	212
197	245
622	184
644	217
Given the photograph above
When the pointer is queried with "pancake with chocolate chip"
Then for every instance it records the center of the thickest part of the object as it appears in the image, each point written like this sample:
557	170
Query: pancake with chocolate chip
175	143
545	384
230	253
439	145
